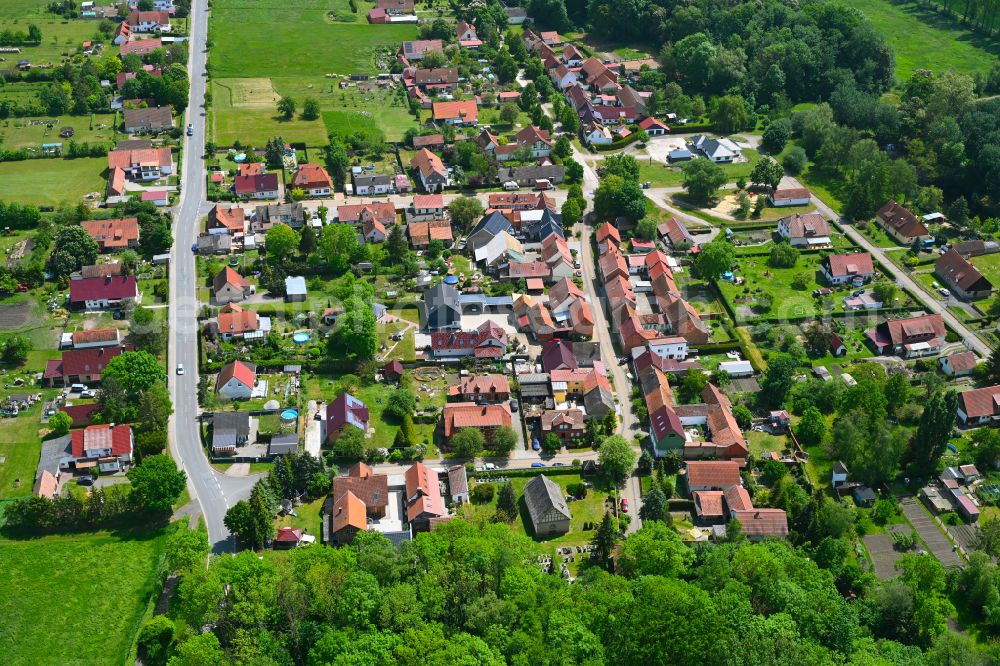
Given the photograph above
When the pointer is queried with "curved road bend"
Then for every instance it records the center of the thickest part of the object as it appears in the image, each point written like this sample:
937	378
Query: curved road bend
213	491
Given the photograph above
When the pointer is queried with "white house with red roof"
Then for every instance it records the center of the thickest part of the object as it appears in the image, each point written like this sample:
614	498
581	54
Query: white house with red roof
236	380
840	268
653	127
108	447
102	293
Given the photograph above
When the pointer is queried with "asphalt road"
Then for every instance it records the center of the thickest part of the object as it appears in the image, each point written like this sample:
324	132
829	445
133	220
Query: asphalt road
213	491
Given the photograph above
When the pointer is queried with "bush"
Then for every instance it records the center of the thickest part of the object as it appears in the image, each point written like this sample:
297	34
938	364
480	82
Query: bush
482	493
902	541
577	490
795	161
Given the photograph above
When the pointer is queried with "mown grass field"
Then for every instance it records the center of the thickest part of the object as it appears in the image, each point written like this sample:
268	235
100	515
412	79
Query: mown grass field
989	266
48	182
925	39
317	38
660	175
59	36
91	128
76	599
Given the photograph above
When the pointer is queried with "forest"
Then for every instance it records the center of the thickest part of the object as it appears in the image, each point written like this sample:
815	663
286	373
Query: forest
467	594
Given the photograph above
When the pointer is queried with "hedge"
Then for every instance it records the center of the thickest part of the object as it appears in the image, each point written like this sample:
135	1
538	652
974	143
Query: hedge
531	471
630	139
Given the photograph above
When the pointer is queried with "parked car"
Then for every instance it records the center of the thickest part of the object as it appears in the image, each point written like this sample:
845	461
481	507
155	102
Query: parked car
190	130
625	504
944	292
537	464
489	467
85	480
87	394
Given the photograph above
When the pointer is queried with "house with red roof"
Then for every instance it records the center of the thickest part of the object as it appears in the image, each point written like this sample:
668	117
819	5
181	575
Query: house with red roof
257	186
428	166
287	538
426	207
423	497
140	47
909	338
422	233
347	517
235	322
901	224
841	268
373	231
149	21
712	475
485	418
481	389
810	230
488	341
979	406
102	293
382	212
236	380
79	366
141	164
227	219
229	286
345	411
96	337
460	113
654	127
108	447
313	179
114	234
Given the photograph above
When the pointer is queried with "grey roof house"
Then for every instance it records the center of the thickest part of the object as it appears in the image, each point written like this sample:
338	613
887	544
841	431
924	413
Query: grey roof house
442	310
150	119
527	175
229	430
546	506
549	224
369	184
487	229
283	444
291	214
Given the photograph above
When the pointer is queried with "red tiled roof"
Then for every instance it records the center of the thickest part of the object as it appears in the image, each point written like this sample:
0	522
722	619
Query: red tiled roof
901	220
427	162
980	402
108	335
465	110
124	159
232	218
961	361
460	415
738	499
229	276
249	169
312	176
261	182
348	510
422	201
91	361
423	492
954	267
383	211
763	522
288	535
720	474
236	370
81	414
480	385
118	438
234	320
708	503
114	233
112	288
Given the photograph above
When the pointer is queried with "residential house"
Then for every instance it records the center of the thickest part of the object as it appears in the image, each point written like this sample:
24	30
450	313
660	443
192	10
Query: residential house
229	286
370	488
46	484
437	80
423	497
154	21
959	364
712	475
461	113
538	225
395	7
790	196
345	411
235	322
485	418
140	164
979	406
422	233
107	447
675	233
489	227
115	234
236	380
430	169
541	177
442	310
221	243
159	198
481	389
901	224
79	366
373	231
425	208
808	231
683	319
150	119
488	341
759	524
229	430
140	47
528	270
909	338
382	212
258	186
607	234
429	141
557	354
371	184
266	216
123	34
416	50
313	180
566	424
227	220
964	279
458	485
519	201
547	507
102	293
722	151
499	250
856	268
597	134
347	518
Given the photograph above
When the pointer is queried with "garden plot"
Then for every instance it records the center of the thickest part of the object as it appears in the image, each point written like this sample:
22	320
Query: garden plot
249	93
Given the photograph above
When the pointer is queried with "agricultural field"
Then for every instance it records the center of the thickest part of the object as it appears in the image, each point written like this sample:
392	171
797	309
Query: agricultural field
32	132
925	39
318	40
80	598
35	181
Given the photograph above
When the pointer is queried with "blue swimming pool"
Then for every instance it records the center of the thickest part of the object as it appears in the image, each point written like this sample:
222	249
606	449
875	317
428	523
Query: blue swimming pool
289	415
301	338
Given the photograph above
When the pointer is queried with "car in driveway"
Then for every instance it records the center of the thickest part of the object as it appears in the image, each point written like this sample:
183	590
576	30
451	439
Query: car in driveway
944	292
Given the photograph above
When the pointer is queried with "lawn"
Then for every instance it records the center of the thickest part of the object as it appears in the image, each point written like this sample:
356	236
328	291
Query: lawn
989	266
93	128
662	175
60	37
20	445
878	235
49	182
762	443
924	39
588	510
854	340
79	599
761	278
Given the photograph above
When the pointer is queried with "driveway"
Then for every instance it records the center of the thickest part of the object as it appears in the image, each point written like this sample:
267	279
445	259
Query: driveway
929	532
